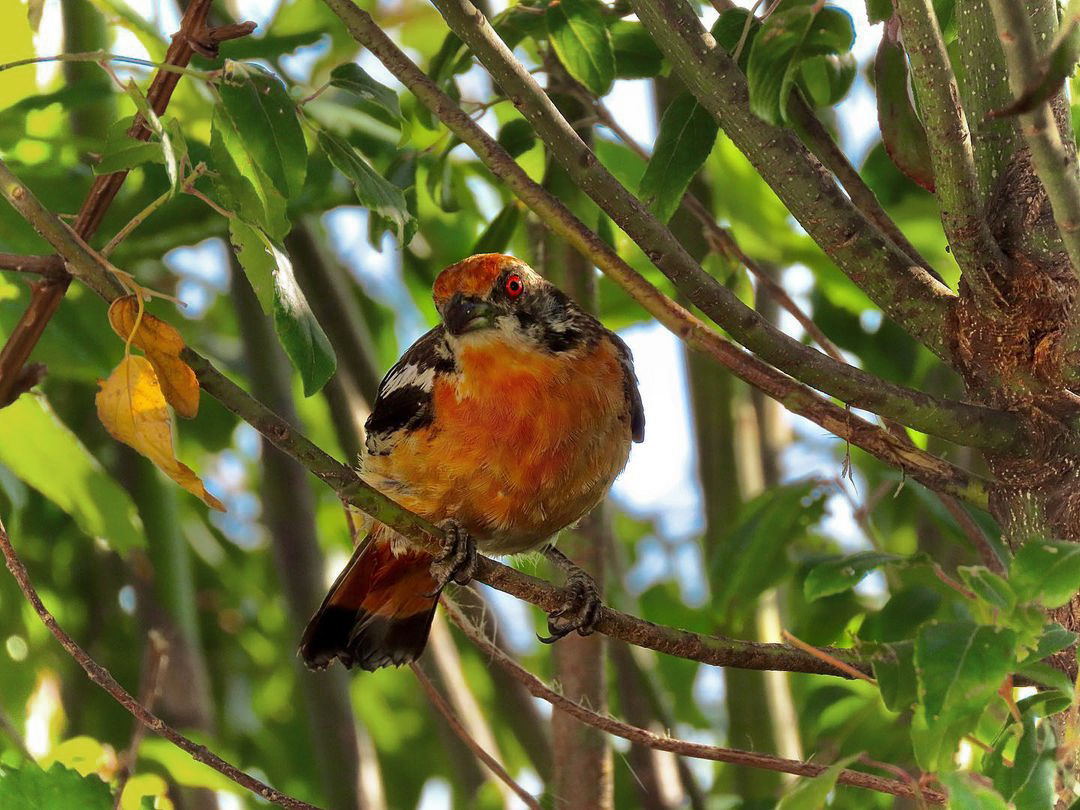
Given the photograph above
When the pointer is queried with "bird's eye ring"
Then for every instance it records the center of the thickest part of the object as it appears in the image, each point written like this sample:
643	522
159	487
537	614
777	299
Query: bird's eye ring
514	285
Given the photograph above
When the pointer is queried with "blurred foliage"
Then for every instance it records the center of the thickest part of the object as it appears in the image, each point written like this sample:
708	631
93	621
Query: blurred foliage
296	135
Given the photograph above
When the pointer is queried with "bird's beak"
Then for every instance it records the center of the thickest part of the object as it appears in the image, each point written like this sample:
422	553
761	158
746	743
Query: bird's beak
467	315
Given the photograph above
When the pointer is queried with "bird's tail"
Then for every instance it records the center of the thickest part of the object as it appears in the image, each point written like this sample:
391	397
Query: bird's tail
378	611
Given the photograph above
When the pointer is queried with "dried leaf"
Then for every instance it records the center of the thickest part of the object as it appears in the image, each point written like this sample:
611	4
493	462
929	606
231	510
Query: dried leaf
131	405
162	344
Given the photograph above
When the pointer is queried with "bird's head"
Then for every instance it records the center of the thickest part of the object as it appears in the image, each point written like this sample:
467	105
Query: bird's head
496	296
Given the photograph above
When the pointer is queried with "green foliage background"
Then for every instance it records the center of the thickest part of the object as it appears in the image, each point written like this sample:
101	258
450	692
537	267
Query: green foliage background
115	549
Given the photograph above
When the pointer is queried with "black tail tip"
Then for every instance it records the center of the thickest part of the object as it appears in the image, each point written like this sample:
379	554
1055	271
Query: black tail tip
359	639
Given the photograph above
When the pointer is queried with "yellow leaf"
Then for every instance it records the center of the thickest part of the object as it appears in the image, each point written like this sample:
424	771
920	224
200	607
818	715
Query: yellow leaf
162	344
131	405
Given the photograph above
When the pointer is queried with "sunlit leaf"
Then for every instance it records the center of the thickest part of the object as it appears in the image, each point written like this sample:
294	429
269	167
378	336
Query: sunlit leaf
847	571
373	191
132	408
687	134
1046	571
44	453
969	792
28	787
162	344
265	118
811	793
580	39
270	272
356	80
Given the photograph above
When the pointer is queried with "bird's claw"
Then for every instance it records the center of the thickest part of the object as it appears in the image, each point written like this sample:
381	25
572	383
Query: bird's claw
580	610
457	563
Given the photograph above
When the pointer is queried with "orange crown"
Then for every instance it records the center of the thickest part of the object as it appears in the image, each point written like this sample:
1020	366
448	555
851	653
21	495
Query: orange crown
475	275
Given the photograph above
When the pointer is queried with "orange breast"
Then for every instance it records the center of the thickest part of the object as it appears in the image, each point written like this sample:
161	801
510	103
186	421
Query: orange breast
523	443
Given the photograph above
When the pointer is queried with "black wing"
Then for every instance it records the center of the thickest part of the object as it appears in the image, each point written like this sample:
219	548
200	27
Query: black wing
630	387
404	399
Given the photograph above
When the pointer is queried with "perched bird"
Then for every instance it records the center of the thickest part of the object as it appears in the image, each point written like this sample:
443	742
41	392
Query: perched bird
504	424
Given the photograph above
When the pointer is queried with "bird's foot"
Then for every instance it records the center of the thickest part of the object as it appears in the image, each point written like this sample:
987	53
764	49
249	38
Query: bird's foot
457	563
581	609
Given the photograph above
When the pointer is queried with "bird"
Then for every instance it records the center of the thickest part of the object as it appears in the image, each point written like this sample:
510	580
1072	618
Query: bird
504	424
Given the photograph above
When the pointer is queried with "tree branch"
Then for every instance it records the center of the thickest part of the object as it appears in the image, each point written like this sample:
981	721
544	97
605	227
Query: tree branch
852	385
796	397
955	178
907	293
455	724
733	756
102	677
1054	162
48	266
343	479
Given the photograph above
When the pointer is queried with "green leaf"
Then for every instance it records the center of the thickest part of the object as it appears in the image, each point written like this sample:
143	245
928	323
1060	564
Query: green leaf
636	55
794	32
517	137
1029	781
265	118
1046	571
988	586
826	79
731	27
580	39
902	132
878	11
45	454
810	794
170	154
901	615
497	235
966	792
242	185
960	666
356	80
687	134
375	192
122	152
751	556
1054	638
843	572
31	788
894	669
303	339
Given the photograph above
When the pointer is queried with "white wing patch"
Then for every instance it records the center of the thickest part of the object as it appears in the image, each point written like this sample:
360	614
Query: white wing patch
409	375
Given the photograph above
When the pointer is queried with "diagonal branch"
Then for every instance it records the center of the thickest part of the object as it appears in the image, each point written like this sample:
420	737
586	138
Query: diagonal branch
852	385
907	293
955	177
715	753
965	423
345	482
103	678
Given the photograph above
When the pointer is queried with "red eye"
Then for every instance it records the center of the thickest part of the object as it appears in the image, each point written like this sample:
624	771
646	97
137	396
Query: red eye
514	286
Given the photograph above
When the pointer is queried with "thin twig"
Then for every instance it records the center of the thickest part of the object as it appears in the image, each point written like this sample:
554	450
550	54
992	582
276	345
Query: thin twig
155	663
827	658
103	678
734	756
99	56
452	720
142	216
48	266
7	728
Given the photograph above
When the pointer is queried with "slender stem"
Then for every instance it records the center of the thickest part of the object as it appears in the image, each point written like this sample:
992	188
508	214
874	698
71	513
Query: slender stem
155	663
103	678
955	178
733	756
142	216
105	56
452	720
852	385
